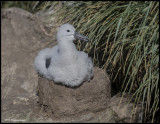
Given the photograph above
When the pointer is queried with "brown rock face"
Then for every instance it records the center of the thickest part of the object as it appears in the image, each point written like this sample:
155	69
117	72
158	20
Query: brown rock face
125	109
22	37
91	96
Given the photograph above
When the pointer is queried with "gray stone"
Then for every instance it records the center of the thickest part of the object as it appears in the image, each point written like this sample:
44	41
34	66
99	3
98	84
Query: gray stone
22	37
127	111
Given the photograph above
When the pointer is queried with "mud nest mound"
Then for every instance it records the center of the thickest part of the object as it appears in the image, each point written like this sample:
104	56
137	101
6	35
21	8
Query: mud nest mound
90	97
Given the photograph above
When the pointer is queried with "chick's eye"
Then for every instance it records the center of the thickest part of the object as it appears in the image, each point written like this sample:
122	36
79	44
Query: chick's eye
68	30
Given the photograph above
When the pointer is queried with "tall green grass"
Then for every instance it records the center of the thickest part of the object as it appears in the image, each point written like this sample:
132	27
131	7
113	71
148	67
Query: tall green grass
124	41
31	6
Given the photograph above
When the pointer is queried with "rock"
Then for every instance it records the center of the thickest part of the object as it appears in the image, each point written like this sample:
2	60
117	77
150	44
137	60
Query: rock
90	97
107	115
124	108
22	37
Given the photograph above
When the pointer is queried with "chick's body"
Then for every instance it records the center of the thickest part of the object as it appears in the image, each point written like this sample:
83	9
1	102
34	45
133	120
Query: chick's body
67	66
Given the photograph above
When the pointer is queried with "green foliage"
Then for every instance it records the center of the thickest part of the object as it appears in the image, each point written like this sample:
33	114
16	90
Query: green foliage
31	6
124	41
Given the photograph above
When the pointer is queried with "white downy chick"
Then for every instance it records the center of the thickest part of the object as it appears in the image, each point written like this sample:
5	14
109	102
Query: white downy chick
63	63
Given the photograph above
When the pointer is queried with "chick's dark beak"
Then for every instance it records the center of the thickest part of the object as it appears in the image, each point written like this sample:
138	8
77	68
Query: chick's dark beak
80	37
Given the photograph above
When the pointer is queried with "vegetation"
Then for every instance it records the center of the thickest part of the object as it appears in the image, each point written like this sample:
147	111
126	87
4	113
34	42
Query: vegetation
31	6
123	40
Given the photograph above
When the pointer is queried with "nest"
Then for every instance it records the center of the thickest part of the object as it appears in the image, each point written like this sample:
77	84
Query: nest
63	101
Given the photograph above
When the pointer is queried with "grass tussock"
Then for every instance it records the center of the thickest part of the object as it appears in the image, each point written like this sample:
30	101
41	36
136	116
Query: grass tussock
124	41
31	6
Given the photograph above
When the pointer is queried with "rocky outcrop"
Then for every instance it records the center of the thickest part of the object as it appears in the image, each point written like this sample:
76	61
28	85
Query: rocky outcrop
22	37
126	110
